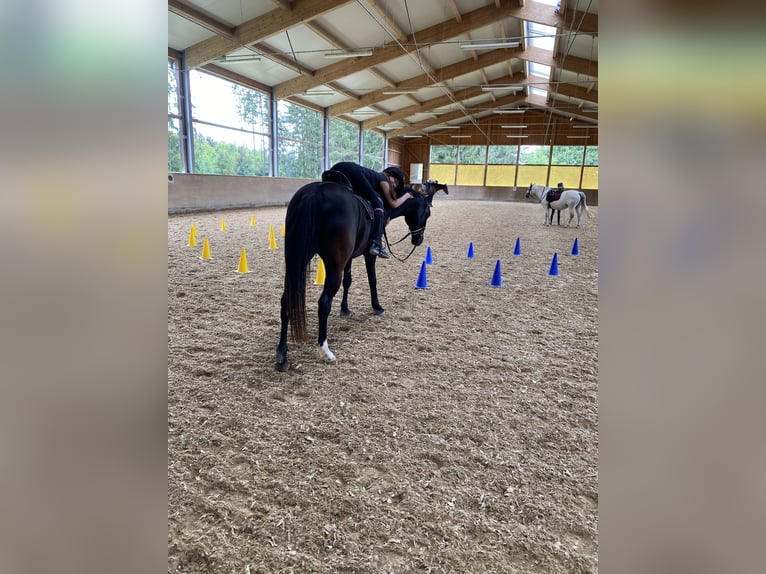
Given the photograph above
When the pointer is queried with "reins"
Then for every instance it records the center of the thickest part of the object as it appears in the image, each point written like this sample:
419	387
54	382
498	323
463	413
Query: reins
389	244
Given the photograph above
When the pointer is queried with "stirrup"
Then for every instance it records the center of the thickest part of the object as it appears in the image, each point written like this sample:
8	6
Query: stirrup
379	251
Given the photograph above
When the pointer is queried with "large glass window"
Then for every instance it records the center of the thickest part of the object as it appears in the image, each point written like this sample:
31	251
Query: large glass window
230	127
501	165
590	171
533	165
471	164
344	141
373	150
566	162
443	163
175	158
299	150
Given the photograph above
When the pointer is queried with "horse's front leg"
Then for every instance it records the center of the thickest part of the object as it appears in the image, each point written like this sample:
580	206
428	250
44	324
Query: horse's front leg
344	310
372	279
331	286
282	363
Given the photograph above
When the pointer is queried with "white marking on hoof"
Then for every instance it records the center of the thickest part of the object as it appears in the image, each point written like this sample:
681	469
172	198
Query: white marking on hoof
324	352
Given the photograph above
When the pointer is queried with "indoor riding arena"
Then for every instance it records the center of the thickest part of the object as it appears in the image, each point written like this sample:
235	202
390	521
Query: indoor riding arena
456	432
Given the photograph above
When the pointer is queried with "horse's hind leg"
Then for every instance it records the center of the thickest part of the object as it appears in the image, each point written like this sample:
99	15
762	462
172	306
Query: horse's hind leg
344	310
331	286
571	216
282	363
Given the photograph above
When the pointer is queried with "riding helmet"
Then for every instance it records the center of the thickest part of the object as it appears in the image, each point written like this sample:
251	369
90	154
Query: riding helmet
398	174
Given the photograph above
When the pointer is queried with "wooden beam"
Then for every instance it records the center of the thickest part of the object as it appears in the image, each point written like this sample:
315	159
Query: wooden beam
200	18
259	28
429	105
391	50
235	77
455	10
573	91
452	71
450	116
570	63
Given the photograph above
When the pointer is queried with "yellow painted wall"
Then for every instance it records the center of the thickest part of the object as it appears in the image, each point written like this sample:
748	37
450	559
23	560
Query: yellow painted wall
590	177
501	175
470	175
569	175
532	174
443	173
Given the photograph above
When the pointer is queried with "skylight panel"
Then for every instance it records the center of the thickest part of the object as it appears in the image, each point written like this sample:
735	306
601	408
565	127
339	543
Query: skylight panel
540	36
540	70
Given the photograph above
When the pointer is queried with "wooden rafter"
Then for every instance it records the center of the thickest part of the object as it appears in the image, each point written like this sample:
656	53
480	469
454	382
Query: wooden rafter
259	28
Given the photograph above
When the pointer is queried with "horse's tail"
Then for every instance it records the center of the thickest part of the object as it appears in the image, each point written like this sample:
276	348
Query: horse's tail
300	245
584	204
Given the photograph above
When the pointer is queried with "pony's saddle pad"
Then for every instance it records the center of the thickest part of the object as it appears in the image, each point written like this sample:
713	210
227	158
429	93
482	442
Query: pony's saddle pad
333	176
553	195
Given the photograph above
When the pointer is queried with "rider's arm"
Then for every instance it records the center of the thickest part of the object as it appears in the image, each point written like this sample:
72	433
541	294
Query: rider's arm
392	201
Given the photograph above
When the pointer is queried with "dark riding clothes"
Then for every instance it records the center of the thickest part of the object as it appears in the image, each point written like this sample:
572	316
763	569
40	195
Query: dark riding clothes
364	180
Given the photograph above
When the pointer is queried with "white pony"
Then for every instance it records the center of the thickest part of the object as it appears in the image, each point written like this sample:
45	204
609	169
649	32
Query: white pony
570	198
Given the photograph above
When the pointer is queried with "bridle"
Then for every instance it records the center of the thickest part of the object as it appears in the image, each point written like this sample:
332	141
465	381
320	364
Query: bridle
408	234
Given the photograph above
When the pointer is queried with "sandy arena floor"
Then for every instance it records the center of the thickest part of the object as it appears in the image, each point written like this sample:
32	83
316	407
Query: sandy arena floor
456	433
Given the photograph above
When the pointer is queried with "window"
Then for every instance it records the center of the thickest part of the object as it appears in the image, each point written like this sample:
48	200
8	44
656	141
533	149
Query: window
373	150
501	168
230	127
590	171
566	162
299	150
443	163
344	141
533	165
471	164
175	157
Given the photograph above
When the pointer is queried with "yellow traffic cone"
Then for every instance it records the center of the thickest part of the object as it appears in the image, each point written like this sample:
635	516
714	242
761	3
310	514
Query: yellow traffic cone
252	221
223	225
206	250
243	262
272	239
320	273
283	230
192	236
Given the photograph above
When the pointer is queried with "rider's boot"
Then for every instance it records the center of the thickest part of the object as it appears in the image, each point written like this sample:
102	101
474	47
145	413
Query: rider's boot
376	248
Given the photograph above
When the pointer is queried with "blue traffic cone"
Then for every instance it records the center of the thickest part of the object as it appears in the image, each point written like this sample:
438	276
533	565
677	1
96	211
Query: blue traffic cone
470	250
422	281
429	257
517	248
497	278
575	248
554	270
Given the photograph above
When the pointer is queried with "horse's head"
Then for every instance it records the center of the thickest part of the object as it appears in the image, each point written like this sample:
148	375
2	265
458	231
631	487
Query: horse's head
432	186
418	210
529	191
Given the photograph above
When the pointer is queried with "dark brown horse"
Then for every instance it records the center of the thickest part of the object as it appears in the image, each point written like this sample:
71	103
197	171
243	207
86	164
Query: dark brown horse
328	219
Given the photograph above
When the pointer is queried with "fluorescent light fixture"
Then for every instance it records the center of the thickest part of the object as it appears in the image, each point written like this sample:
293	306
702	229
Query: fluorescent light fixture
319	93
513	126
577	137
499	87
517	136
393	91
237	58
519	111
461	136
488	45
412	136
448	127
338	54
